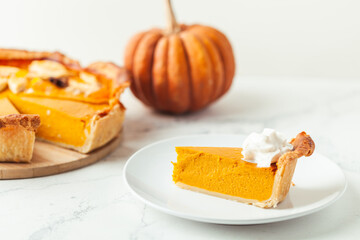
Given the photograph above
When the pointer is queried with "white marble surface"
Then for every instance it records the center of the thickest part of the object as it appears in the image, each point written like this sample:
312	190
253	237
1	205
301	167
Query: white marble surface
93	203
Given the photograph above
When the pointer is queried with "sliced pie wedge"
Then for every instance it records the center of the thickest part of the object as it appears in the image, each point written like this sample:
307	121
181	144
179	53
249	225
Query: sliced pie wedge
222	172
17	133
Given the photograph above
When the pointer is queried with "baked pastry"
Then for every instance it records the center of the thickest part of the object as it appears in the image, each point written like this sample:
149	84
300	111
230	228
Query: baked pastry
223	172
79	107
17	133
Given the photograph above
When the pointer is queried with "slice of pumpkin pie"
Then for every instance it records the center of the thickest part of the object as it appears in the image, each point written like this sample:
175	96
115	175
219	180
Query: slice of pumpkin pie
259	174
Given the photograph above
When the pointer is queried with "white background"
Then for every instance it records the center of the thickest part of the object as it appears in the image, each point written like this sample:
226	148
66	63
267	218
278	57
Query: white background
318	38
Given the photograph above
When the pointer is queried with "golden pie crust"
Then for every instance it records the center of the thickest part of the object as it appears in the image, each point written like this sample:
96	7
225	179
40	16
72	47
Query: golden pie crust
17	137
14	55
30	122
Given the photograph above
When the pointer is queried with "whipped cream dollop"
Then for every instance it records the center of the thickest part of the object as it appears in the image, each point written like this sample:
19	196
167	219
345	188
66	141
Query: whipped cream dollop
265	148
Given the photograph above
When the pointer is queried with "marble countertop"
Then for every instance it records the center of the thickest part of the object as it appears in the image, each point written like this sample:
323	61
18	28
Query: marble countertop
94	203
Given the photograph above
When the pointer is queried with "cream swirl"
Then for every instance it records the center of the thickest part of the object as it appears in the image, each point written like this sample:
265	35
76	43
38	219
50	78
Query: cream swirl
265	148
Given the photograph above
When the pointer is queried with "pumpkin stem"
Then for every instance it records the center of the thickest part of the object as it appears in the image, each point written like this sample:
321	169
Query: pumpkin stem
172	25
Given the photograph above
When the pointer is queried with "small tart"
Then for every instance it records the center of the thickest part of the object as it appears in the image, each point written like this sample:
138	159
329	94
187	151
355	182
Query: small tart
222	172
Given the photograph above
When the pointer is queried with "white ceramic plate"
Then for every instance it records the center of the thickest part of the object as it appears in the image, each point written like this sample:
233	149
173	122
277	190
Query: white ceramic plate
148	173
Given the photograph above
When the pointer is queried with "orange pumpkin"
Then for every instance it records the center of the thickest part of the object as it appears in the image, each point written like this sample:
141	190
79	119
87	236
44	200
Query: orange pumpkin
181	69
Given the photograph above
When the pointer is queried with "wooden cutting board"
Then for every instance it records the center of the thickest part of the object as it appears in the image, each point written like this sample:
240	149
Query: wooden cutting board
49	159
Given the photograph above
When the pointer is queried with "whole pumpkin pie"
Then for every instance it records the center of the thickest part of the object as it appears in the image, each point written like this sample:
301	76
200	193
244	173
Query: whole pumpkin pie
260	174
79	107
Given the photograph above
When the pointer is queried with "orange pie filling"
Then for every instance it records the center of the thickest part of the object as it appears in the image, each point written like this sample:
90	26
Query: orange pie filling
223	170
71	119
